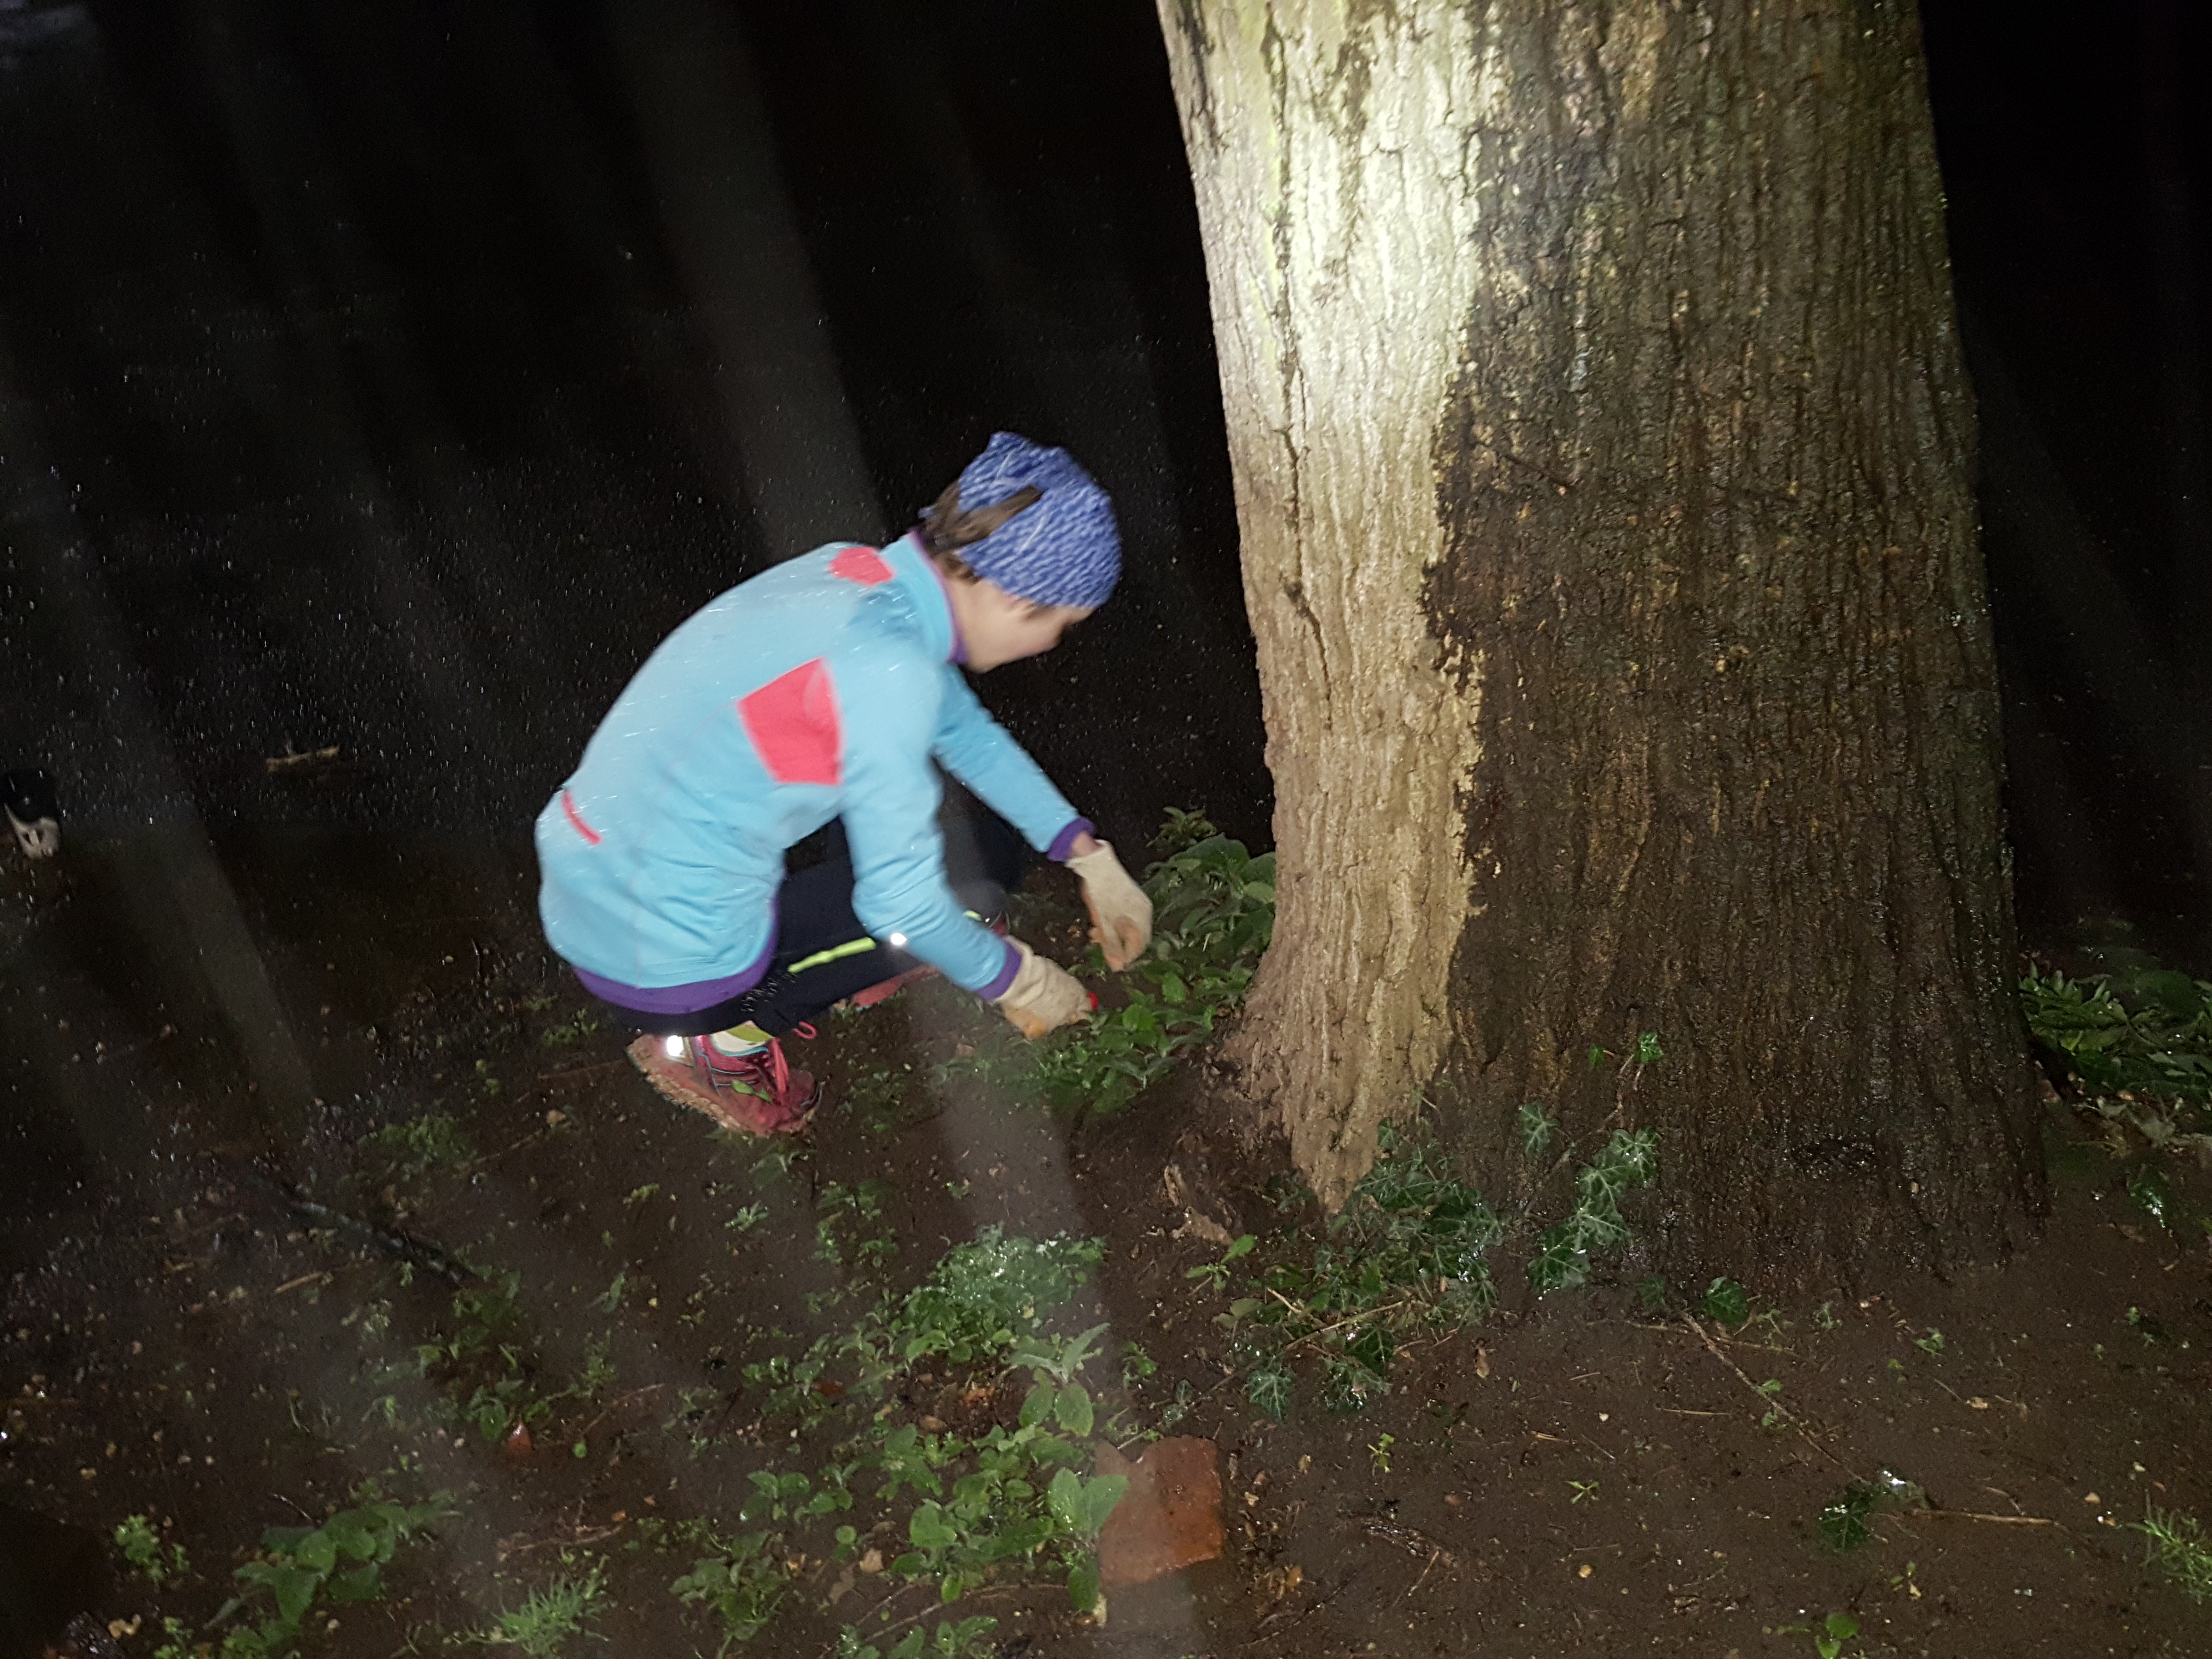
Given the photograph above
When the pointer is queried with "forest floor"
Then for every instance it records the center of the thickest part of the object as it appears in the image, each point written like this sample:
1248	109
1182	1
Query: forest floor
513	1347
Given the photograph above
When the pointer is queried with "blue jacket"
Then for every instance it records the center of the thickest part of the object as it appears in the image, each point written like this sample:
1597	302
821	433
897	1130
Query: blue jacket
820	689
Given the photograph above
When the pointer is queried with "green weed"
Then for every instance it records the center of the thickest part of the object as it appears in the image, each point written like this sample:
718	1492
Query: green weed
485	1375
954	1639
1216	1273
342	1560
1830	1636
742	1582
1629	1158
1725	1301
1407	1254
2143	1029
570	1031
547	1617
1015	1499
2179	1549
407	1151
1213	912
1843	1522
141	1545
848	1230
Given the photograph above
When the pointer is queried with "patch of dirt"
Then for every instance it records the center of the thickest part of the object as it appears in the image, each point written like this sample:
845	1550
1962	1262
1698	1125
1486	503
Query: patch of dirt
227	1336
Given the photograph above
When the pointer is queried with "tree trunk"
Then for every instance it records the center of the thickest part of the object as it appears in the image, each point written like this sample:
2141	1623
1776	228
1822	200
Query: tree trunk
1602	455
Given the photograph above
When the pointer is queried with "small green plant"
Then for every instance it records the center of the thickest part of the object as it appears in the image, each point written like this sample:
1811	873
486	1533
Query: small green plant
1931	1344
1536	1129
742	1582
1216	1273
408	1150
547	1617
1406	1251
848	1232
2142	1030
1628	1160
1585	1491
1380	1453
141	1545
954	1639
1835	1630
1726	1302
745	1217
342	1560
570	1031
2179	1549
1213	912
1842	1522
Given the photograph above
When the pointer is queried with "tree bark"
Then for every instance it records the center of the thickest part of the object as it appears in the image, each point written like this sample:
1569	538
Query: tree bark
1602	455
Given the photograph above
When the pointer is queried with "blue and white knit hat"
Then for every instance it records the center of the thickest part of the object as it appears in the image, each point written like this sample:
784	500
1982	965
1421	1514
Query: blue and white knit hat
1064	549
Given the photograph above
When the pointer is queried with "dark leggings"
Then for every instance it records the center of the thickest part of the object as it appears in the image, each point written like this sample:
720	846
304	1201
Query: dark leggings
822	953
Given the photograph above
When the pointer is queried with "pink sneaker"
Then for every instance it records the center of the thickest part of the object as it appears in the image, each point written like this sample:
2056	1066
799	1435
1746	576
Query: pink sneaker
754	1094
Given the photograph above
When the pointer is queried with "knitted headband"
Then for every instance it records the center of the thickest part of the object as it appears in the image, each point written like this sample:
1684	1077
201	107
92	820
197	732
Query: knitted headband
1045	531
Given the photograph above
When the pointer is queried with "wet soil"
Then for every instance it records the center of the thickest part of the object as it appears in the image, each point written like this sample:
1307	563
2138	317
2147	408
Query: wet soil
215	1320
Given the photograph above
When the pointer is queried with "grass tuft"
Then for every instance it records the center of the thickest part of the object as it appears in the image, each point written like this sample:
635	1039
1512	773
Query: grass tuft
2179	1549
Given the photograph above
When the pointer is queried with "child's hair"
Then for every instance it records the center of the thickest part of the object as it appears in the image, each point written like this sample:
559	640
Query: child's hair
946	528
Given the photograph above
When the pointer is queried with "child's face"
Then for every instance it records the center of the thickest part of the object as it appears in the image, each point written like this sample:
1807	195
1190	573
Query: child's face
996	627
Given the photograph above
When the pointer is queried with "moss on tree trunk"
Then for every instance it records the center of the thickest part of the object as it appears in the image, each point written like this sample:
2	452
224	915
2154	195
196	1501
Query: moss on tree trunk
1603	452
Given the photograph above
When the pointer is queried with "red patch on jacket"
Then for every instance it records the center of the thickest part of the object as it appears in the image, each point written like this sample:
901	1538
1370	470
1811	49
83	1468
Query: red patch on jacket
863	565
793	721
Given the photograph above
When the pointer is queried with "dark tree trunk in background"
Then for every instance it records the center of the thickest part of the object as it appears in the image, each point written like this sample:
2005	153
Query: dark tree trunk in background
1602	455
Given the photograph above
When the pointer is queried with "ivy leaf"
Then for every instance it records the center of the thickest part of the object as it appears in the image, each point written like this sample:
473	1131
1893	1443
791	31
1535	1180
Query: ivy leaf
1268	1389
1372	1347
1726	1301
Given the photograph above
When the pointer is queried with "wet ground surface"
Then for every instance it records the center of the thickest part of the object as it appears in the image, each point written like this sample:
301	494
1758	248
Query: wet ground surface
353	400
225	1337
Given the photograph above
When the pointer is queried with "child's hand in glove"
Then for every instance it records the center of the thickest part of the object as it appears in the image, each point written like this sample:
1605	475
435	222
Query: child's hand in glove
1120	914
1043	997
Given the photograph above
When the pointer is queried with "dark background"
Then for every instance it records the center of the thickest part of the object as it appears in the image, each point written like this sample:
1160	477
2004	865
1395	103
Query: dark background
351	394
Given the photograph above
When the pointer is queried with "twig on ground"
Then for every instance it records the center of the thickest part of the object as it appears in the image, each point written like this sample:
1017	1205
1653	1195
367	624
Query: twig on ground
615	1404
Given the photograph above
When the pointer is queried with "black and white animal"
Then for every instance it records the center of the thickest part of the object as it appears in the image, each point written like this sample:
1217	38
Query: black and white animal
28	799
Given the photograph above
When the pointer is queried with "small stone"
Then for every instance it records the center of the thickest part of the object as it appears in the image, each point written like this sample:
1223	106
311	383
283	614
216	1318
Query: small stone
1584	1570
2092	1499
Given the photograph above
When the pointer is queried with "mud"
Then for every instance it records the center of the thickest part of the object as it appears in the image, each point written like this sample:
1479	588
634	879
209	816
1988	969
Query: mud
216	1325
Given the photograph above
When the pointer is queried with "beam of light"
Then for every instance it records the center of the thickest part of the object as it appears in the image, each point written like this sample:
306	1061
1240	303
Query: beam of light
728	223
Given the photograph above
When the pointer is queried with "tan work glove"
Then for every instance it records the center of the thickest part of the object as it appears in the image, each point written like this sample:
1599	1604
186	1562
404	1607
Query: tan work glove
1043	997
1120	914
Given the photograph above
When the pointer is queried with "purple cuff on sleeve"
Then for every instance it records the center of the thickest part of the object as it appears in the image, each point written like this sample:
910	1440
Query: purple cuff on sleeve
1004	981
1063	844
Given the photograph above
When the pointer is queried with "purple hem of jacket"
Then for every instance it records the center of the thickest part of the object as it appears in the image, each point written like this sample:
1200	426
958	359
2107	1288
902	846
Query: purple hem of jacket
1063	844
682	999
1004	981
